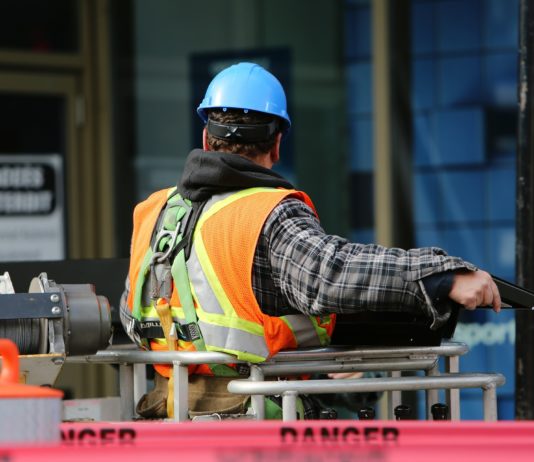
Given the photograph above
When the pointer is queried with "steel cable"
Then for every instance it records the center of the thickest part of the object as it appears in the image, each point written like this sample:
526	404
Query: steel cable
24	332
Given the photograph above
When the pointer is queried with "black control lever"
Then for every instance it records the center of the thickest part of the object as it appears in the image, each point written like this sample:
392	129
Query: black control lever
513	296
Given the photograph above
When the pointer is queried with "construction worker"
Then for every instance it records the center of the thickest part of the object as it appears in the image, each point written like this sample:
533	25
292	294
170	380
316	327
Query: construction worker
234	259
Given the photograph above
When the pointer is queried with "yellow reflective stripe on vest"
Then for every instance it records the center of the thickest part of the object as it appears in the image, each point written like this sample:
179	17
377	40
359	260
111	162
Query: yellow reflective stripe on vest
228	200
303	329
149	312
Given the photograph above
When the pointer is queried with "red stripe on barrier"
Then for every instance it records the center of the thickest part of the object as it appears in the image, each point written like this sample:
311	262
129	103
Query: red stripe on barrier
313	441
284	434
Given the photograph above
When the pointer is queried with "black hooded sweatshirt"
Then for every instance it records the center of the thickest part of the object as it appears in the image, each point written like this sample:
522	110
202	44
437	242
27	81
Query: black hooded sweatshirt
208	173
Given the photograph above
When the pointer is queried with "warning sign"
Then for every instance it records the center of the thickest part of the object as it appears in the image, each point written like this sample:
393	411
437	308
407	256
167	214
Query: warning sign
32	214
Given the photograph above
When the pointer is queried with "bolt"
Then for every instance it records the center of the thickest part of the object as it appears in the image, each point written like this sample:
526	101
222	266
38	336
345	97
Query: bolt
56	310
54	298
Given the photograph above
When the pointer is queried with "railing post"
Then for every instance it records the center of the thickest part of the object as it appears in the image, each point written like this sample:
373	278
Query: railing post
289	406
126	391
139	382
452	366
393	397
490	403
181	391
432	396
257	401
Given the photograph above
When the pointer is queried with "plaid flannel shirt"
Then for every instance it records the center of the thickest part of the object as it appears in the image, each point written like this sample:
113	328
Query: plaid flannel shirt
300	268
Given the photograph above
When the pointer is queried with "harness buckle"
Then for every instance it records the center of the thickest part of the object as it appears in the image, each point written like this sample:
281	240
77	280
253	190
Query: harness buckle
172	235
190	331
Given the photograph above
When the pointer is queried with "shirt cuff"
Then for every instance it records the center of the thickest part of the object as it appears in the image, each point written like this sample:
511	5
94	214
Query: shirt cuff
438	286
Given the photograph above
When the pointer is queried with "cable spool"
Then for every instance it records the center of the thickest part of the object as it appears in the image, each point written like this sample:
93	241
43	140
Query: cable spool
80	324
26	334
34	412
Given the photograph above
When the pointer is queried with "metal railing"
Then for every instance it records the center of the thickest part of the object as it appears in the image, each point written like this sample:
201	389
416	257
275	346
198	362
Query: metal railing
132	372
392	360
290	389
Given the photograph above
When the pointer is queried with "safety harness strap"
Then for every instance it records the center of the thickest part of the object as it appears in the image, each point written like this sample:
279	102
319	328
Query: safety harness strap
168	246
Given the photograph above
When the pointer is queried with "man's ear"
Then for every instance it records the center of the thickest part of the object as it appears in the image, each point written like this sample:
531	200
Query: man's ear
205	139
275	151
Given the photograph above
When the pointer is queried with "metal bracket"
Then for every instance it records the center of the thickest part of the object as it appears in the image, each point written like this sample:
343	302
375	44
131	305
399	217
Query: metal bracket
31	306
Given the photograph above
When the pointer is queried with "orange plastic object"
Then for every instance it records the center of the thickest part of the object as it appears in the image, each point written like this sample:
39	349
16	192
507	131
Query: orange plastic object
9	377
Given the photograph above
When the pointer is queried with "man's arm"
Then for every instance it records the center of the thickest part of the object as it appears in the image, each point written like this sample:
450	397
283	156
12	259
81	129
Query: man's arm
320	273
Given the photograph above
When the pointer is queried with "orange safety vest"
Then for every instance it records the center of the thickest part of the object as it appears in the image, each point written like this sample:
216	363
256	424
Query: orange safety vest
220	274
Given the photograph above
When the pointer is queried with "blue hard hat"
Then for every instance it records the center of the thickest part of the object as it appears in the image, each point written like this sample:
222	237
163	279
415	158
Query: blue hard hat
246	86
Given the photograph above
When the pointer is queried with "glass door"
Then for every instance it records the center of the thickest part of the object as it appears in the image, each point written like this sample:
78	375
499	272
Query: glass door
39	174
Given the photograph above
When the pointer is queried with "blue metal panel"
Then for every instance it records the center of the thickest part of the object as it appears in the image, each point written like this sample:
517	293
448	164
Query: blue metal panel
423	83
469	242
465	241
424	144
449	137
361	145
428	236
359	91
423	27
358	33
501	78
458	25
463	195
427	198
501	250
500	23
501	192
460	80
459	136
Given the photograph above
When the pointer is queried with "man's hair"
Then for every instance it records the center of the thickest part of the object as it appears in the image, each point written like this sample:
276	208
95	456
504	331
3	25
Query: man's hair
235	117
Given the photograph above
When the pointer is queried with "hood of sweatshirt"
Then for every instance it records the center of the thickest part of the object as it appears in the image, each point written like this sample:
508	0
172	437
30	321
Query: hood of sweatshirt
208	173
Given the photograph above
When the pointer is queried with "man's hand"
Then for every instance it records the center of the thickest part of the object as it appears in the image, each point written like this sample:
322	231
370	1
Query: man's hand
475	288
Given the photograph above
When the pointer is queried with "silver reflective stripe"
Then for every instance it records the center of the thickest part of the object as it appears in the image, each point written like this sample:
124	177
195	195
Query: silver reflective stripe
233	339
303	329
206	298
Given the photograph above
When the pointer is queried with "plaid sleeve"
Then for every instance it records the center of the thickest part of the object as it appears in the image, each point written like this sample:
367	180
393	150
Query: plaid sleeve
319	273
